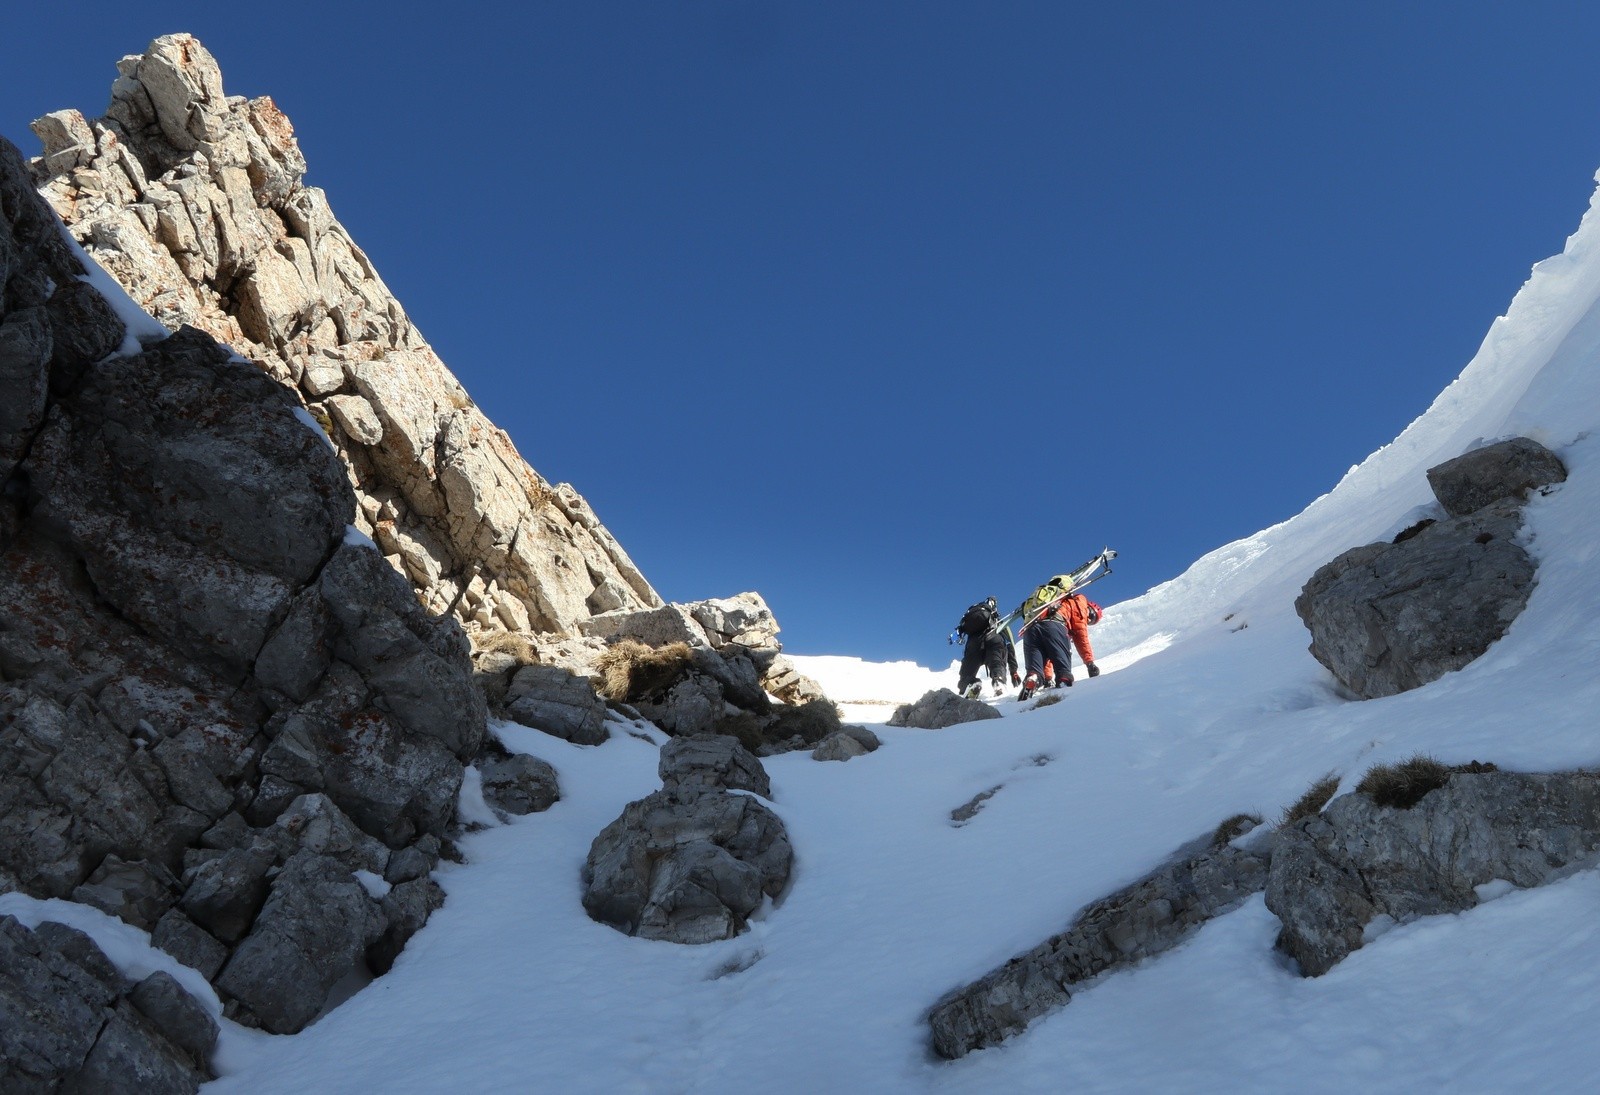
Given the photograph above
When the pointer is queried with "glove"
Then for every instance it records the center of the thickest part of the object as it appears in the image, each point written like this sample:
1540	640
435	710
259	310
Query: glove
1016	678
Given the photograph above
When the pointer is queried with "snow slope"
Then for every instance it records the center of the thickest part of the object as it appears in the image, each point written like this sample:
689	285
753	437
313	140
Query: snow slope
1210	705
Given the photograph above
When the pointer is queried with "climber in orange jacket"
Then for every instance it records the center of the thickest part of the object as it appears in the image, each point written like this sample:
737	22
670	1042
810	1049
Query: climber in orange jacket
1046	647
1078	612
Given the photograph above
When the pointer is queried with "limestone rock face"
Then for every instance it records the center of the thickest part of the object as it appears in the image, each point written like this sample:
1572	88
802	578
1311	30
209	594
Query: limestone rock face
194	201
205	673
70	1022
940	708
1387	618
1334	873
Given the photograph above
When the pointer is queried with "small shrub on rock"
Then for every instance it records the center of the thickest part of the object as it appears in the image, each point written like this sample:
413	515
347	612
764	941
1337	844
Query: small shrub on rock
631	671
744	727
1312	802
810	722
1401	786
513	643
1235	826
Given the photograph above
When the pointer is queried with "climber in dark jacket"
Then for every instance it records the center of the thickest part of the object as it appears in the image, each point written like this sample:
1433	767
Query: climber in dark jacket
987	644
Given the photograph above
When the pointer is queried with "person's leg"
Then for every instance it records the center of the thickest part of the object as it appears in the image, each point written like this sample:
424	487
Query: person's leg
1060	651
995	656
971	660
1033	658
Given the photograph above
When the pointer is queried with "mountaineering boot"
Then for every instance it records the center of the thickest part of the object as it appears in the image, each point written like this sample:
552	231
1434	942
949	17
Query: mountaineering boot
1029	687
999	688
1094	670
1064	681
972	691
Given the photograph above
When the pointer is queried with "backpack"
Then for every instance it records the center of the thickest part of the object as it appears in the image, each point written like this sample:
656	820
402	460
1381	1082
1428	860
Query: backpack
977	621
1053	590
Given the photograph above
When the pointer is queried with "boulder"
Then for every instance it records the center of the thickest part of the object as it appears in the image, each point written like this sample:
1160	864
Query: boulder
742	620
694	705
1334	873
1389	617
687	866
189	943
518	783
787	683
712	762
1508	469
849	741
557	701
941	708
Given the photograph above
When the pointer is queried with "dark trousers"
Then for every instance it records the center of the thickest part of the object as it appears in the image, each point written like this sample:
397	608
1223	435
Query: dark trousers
1047	641
993	653
972	659
1001	657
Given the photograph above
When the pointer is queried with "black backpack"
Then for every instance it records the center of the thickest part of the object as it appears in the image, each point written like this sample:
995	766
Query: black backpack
978	620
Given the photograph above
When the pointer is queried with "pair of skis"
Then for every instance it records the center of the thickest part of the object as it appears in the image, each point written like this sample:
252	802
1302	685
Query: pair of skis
1087	574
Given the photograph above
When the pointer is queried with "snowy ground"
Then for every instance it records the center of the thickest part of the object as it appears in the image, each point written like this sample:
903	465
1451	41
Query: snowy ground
1210	705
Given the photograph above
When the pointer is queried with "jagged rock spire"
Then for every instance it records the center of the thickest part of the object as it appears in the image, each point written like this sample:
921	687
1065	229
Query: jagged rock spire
194	201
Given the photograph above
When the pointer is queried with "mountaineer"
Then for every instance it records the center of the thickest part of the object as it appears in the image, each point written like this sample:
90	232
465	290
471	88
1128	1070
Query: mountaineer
988	643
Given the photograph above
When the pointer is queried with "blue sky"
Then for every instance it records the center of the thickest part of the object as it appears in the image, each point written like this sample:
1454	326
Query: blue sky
879	308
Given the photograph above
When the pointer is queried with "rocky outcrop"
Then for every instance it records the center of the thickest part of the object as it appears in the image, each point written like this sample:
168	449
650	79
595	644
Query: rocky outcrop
941	708
740	630
1155	914
692	862
69	1021
195	202
1336	873
218	705
1389	617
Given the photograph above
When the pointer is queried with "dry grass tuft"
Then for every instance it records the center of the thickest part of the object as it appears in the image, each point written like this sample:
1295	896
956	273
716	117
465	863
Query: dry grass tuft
1312	802
1235	826
514	643
1047	699
631	671
1401	786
